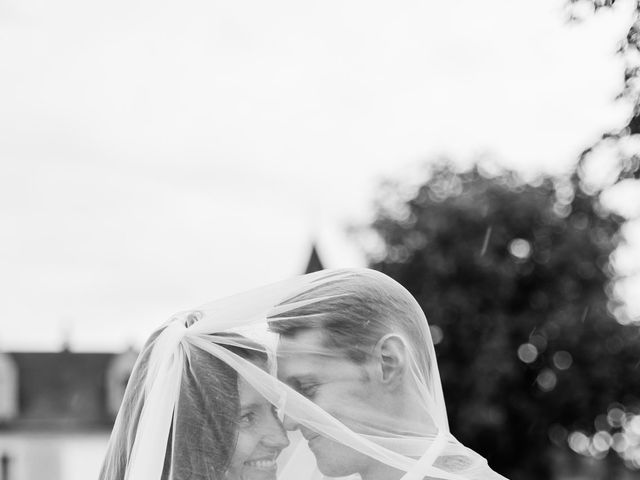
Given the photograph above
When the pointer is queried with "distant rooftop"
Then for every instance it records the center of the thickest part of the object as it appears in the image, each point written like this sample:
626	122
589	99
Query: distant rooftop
60	390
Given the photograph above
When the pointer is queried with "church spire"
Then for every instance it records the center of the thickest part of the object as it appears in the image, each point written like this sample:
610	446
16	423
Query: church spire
314	264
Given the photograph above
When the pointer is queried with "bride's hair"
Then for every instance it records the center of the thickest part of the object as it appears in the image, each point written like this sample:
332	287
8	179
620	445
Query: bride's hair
208	395
357	309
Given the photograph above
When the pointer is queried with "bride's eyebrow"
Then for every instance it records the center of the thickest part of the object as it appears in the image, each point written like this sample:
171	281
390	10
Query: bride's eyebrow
250	406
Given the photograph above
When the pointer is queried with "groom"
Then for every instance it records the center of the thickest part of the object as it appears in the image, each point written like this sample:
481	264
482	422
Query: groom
350	354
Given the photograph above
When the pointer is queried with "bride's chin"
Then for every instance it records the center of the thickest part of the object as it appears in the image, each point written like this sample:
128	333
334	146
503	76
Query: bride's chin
253	473
258	476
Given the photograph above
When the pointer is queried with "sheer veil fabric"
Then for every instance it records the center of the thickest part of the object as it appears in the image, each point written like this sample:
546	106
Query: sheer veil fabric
348	361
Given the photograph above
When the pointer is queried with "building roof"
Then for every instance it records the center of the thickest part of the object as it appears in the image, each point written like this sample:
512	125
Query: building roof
60	390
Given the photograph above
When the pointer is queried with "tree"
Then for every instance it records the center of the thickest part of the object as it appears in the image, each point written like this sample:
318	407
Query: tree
514	278
627	153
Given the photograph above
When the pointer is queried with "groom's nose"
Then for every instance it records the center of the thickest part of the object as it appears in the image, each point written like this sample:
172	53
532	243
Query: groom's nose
290	424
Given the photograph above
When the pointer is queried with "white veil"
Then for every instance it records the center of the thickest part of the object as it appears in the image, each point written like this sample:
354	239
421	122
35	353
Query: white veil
177	419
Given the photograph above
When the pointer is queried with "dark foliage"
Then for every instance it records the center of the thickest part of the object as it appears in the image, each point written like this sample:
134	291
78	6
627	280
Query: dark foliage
505	270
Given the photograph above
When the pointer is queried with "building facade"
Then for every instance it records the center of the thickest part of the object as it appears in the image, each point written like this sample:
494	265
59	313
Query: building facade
56	411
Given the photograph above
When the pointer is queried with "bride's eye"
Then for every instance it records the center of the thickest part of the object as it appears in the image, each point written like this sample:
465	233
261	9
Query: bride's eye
247	419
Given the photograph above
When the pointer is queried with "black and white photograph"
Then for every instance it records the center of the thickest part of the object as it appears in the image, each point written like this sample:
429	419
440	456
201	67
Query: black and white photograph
291	240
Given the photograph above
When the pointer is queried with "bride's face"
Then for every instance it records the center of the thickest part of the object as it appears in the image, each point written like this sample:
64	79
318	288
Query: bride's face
261	437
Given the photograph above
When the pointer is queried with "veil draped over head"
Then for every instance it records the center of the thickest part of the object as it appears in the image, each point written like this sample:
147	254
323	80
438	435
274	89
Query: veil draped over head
346	358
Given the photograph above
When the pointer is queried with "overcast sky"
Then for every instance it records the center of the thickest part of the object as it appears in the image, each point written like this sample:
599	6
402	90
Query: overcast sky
157	155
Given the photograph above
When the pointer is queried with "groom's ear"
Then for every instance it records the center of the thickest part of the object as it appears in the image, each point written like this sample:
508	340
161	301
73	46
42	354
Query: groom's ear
391	353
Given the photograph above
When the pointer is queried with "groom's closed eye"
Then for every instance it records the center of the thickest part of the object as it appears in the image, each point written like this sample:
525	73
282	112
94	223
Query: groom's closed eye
305	387
309	390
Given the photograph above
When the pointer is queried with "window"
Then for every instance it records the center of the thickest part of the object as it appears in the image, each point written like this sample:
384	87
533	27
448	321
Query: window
8	388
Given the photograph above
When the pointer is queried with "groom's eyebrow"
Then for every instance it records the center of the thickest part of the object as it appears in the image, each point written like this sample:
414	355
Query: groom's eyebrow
297	380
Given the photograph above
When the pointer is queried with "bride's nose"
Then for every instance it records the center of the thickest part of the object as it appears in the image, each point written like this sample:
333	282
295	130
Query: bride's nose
275	435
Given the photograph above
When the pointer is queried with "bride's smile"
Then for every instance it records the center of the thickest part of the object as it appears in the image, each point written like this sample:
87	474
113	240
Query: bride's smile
261	437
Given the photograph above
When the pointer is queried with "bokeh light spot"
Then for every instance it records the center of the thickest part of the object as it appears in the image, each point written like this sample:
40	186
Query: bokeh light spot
436	334
547	380
527	353
620	442
578	442
562	360
615	417
520	248
602	441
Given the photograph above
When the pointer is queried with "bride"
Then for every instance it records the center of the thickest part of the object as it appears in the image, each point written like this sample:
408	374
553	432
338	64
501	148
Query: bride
222	428
356	373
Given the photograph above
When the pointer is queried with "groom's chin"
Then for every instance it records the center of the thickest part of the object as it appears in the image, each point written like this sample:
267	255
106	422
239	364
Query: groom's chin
334	460
331	469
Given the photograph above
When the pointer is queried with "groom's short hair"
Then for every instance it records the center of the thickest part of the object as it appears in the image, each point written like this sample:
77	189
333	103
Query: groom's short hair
356	309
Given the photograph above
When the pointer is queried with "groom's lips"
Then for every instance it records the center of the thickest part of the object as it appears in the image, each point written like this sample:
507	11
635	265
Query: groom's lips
312	438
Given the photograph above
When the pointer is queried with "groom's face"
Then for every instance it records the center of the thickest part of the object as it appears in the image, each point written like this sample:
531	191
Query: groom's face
338	385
